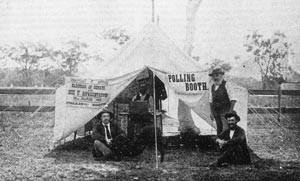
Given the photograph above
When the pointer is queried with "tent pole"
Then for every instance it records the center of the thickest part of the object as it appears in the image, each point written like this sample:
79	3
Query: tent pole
154	118
153	12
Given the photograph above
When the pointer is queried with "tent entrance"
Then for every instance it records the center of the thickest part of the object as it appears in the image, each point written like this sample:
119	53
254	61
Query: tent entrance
131	113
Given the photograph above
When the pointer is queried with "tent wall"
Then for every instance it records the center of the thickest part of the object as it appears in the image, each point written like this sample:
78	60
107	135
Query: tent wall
69	119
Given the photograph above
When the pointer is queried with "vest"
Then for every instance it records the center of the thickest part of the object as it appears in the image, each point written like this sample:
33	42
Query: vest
138	97
220	99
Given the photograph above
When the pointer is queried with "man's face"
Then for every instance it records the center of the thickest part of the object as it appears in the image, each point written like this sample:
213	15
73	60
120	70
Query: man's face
105	117
143	89
232	122
217	78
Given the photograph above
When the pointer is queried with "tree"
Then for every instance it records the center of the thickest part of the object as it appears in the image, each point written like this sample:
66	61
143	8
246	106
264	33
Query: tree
26	56
120	36
191	10
50	77
218	63
70	55
270	54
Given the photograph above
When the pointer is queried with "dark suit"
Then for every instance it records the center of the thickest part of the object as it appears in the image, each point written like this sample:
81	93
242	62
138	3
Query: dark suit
235	150
100	144
220	105
99	131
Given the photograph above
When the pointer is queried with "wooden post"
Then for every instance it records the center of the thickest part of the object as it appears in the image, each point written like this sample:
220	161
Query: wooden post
75	134
2	122
279	101
154	119
153	12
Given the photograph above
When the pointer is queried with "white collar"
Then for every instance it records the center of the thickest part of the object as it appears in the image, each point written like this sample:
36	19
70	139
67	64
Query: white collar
108	124
221	81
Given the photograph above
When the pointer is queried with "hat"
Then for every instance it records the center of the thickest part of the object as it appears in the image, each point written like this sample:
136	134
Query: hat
231	114
111	114
217	71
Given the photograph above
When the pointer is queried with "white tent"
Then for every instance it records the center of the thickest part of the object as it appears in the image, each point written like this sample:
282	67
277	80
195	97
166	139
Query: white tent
151	49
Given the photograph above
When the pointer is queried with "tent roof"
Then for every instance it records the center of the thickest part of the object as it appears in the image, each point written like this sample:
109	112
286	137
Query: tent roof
151	48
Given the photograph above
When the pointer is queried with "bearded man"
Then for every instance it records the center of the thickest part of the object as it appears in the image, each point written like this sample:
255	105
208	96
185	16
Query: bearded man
221	98
233	143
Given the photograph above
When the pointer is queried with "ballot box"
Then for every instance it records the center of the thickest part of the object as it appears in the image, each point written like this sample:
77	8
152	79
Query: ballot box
123	120
139	108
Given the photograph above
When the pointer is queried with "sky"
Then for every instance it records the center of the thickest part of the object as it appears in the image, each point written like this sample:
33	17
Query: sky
221	25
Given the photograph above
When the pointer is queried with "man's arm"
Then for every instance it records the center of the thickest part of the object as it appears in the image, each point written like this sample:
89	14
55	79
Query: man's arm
96	135
134	98
240	138
232	104
151	105
231	95
212	112
222	135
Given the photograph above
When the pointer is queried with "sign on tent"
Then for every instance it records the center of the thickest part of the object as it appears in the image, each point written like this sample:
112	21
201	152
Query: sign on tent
86	93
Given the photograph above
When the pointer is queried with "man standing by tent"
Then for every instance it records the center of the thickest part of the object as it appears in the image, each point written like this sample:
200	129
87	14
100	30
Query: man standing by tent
233	143
143	95
221	99
104	133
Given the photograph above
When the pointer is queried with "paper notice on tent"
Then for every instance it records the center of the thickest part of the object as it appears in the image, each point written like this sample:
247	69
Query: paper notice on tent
86	93
77	102
191	90
188	83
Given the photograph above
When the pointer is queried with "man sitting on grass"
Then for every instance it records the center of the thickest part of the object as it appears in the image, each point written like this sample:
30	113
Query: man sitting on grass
233	143
104	133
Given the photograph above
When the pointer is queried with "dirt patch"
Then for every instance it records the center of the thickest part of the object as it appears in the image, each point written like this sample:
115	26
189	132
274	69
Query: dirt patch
25	155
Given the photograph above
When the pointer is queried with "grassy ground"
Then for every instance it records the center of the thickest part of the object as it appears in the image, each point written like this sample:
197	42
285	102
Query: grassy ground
25	155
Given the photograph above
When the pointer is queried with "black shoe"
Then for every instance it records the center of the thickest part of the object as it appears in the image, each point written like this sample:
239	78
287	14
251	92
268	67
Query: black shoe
116	158
224	164
214	164
95	154
98	158
109	157
103	158
246	162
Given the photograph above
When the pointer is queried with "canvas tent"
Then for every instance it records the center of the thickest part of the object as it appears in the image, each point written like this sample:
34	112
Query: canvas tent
187	103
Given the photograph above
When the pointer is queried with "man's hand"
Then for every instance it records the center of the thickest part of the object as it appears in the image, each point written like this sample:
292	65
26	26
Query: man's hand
108	141
221	142
212	117
232	104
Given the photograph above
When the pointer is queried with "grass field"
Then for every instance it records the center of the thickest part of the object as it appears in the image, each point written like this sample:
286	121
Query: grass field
25	155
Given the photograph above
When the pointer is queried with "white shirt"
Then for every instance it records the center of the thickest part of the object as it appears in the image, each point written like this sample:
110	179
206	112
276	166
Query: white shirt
230	91
142	98
150	101
231	133
108	125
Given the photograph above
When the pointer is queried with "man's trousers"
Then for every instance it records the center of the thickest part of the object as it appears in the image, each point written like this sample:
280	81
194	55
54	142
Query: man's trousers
101	149
221	122
236	154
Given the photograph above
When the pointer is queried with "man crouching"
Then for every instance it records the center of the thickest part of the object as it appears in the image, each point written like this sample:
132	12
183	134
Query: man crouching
104	133
233	143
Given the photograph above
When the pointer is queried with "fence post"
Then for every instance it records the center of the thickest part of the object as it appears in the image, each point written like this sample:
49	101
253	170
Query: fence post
279	101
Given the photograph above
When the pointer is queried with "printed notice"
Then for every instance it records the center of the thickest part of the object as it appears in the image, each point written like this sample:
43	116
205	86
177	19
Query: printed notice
188	82
86	93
